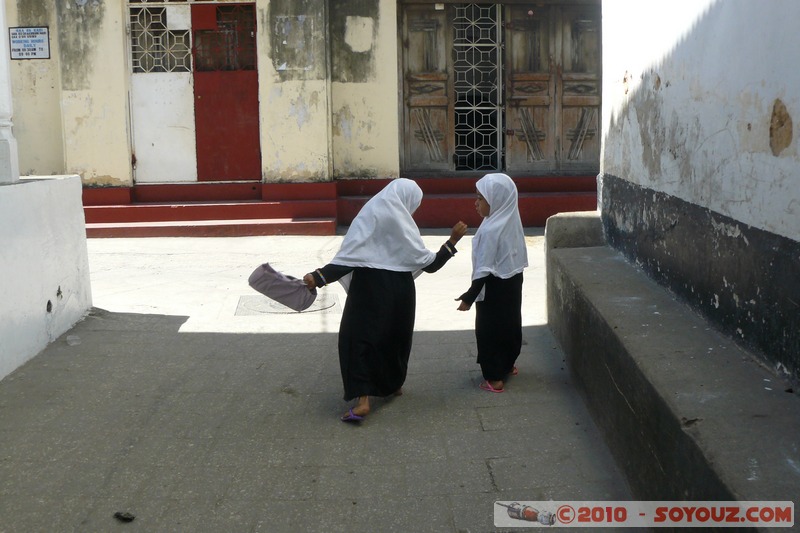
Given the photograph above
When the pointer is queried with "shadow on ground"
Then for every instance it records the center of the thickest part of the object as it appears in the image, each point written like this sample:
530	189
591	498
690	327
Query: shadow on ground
240	432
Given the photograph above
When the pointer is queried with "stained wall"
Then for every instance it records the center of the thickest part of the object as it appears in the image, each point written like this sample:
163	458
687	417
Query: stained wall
328	101
71	110
699	179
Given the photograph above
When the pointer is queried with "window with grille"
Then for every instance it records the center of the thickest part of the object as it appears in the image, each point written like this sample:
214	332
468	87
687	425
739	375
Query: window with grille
477	84
154	47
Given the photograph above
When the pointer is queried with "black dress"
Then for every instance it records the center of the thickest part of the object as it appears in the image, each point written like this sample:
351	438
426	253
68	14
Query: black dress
377	326
498	324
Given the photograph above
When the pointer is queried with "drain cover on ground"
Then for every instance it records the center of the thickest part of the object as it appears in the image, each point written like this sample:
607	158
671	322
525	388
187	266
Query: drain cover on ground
261	305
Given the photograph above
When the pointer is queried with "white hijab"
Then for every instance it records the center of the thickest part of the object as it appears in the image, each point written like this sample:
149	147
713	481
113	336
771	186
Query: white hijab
384	235
498	247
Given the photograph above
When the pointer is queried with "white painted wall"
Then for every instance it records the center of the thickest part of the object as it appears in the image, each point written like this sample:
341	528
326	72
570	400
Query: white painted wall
688	95
43	258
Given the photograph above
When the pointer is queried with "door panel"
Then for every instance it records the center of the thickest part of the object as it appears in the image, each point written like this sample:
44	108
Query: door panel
530	88
226	92
548	75
161	102
579	88
163	137
428	128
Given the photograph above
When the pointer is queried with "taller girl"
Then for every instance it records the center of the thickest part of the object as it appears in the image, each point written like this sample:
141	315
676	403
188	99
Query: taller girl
499	256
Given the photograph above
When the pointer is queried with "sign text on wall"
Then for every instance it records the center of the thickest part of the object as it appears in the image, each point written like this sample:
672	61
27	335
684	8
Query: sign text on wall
30	42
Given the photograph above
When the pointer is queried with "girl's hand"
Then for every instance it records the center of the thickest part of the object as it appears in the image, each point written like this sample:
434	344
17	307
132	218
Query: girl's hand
463	306
457	232
308	279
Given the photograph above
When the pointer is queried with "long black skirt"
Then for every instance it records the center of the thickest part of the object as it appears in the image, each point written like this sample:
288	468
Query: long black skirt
376	332
498	326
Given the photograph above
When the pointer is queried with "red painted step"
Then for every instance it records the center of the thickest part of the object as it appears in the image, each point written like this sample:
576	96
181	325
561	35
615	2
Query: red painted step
444	210
152	212
246	208
214	228
448	200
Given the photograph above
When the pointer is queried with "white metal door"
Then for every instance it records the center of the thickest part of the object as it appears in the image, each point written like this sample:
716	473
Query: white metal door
162	95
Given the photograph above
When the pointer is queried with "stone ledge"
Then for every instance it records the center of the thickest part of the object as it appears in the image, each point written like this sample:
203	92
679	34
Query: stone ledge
687	413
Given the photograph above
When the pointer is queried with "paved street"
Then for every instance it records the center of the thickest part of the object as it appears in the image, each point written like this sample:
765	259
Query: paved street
194	404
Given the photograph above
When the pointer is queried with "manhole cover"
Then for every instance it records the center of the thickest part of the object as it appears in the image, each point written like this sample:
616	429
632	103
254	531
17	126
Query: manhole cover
261	305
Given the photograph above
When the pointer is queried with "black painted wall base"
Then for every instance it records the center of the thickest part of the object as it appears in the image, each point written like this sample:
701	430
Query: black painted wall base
744	280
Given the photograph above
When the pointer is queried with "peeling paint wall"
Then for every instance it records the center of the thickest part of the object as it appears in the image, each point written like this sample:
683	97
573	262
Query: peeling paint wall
699	181
71	110
365	125
294	90
700	105
94	73
37	95
328	90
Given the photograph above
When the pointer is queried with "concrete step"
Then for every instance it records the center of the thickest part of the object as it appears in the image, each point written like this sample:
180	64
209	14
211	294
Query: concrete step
214	228
688	413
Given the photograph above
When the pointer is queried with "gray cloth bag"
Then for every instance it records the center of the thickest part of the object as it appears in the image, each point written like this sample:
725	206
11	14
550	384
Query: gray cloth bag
289	291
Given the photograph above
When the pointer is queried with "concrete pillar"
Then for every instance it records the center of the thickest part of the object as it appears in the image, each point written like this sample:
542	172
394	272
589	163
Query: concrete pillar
9	158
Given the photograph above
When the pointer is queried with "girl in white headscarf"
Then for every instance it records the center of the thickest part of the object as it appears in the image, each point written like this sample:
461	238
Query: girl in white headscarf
376	262
499	256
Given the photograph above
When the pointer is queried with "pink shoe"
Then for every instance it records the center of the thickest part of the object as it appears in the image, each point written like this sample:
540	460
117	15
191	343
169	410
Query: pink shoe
488	387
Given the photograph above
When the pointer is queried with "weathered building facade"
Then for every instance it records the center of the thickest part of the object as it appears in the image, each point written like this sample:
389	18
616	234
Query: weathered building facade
143	91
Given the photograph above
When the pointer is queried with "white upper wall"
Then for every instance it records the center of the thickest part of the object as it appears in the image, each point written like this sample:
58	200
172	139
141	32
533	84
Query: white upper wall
692	104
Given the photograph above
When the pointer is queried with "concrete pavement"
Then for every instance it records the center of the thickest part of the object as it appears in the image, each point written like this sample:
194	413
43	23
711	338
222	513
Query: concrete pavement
194	404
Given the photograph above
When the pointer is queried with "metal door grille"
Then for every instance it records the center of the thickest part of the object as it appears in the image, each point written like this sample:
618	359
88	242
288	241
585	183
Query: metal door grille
477	66
154	46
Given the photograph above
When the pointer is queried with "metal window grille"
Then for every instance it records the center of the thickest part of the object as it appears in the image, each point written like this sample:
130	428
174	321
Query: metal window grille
154	48
477	69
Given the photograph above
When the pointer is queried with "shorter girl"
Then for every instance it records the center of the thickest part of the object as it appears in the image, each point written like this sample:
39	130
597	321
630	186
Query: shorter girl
499	256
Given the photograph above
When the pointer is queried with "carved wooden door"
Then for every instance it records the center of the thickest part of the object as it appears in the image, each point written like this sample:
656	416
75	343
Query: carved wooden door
578	89
509	87
427	90
552	89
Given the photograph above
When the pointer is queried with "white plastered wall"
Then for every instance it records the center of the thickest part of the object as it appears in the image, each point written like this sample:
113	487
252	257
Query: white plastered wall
44	260
689	92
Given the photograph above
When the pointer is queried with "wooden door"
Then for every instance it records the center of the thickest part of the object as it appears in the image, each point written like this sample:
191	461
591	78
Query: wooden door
531	101
548	78
578	89
226	92
427	90
553	66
